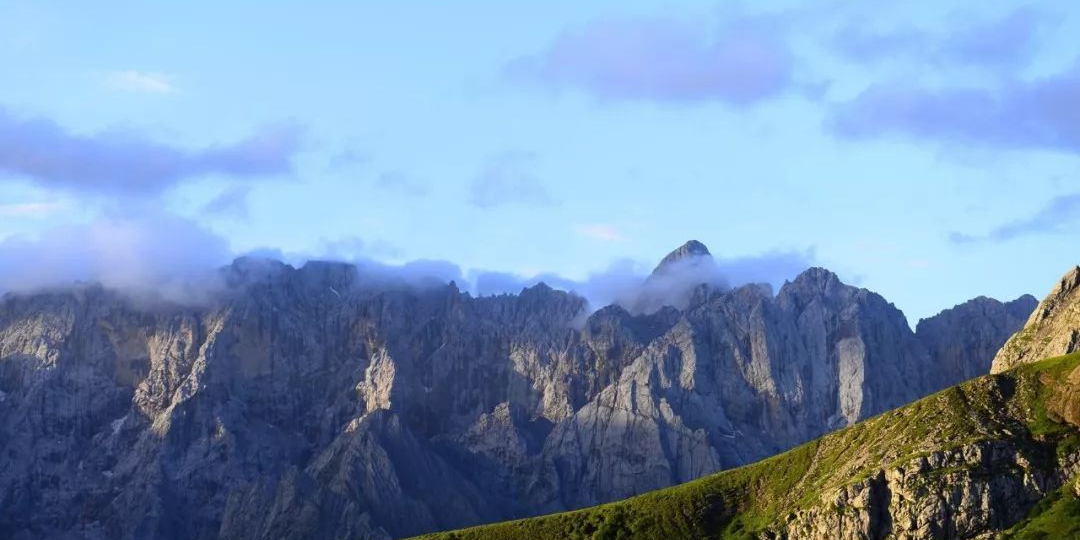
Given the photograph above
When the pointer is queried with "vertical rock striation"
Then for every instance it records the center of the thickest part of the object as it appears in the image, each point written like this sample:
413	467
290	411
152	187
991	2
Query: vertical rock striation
965	339
320	403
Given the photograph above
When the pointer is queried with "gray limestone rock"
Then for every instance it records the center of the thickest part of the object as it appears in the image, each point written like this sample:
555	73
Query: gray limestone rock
1052	330
322	402
966	338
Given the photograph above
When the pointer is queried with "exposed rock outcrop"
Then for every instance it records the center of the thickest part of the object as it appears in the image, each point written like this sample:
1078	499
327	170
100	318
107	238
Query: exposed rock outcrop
993	458
962	493
1052	330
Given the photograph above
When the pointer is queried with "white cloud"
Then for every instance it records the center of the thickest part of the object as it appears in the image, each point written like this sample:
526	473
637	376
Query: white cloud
149	254
31	209
140	81
603	232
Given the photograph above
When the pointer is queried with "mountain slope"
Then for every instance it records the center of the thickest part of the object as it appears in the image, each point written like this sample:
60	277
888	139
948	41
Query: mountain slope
972	460
1053	328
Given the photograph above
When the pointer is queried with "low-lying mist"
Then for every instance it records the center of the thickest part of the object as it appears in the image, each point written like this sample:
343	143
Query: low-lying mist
162	257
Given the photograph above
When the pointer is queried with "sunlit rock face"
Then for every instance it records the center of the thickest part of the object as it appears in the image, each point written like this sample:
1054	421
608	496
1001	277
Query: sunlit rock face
316	403
1052	330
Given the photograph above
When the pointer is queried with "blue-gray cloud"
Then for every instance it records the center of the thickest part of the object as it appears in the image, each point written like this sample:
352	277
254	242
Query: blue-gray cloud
1002	42
1059	215
113	163
509	178
739	61
155	255
1039	114
230	203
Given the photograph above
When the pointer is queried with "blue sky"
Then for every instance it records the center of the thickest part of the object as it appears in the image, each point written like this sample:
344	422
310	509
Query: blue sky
927	151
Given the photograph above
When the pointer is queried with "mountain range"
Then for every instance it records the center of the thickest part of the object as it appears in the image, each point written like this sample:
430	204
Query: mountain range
997	457
317	402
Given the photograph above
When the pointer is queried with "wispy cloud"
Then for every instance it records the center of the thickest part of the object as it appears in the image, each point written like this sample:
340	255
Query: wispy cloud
230	203
157	255
667	58
114	163
604	232
1058	215
629	284
148	253
509	178
140	81
401	182
1041	114
31	209
1004	41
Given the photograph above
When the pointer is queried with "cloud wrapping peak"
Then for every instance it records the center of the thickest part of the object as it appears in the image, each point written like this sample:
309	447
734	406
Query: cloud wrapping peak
663	59
150	255
154	256
125	164
631	286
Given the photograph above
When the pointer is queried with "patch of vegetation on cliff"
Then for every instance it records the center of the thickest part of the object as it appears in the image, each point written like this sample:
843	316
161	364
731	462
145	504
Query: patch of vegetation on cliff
1056	516
739	504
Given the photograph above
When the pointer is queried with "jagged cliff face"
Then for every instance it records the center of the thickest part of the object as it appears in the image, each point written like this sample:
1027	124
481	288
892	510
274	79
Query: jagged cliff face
311	403
1052	330
993	458
965	339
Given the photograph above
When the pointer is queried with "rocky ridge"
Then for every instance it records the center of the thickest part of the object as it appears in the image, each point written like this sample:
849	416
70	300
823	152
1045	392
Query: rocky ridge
994	458
1053	328
966	338
315	402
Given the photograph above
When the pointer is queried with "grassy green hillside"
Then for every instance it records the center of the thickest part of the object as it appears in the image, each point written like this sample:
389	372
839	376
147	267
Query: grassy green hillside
1026	406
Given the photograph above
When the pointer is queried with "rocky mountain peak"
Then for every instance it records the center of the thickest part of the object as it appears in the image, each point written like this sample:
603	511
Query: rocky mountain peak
319	274
813	284
684	276
253	268
692	249
816	278
965	338
1052	330
1068	283
1024	300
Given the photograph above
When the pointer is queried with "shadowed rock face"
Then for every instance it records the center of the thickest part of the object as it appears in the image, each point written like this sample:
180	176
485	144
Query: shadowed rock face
311	403
965	339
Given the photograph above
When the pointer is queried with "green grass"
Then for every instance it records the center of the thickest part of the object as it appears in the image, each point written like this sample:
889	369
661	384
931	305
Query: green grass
1021	406
1056	516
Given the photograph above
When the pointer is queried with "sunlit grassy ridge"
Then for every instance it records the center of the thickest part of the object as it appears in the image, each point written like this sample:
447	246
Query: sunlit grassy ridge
1019	406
